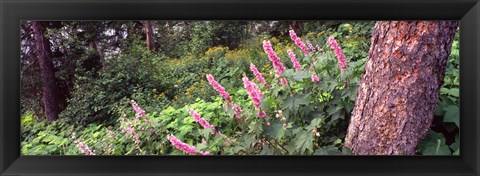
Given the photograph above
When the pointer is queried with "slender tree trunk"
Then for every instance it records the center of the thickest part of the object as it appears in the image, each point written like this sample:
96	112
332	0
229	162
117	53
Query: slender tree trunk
399	89
149	36
49	84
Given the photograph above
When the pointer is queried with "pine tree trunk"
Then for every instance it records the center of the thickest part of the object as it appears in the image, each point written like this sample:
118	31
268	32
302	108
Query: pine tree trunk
399	89
149	35
49	84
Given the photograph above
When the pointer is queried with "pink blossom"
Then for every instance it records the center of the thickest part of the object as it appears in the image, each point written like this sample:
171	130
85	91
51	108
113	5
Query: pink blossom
82	146
258	75
338	52
130	131
284	82
139	112
267	123
294	60
284	125
237	111
184	147
261	114
218	87
255	94
272	56
315	78
201	120
299	42
310	46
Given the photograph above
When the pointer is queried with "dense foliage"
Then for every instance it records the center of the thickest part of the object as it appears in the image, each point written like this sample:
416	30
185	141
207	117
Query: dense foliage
177	110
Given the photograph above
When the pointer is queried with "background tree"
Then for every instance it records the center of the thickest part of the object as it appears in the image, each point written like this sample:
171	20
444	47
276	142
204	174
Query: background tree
49	83
399	89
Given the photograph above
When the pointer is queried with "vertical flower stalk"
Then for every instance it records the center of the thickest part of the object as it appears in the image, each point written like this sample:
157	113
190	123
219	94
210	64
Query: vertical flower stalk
218	87
237	111
255	94
139	112
82	146
312	49
272	56
338	52
204	123
299	42
258	75
293	58
130	132
184	147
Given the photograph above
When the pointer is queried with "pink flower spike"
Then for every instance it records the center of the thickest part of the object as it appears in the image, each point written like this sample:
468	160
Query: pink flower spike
272	56
139	112
338	52
218	87
255	94
258	75
284	82
312	49
201	120
294	60
180	145
299	42
315	78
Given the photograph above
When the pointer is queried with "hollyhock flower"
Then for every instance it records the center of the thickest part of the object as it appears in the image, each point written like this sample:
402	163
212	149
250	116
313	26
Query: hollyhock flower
310	46
284	82
82	146
258	75
294	60
338	52
218	87
299	42
255	94
201	120
315	78
184	147
272	56
261	114
139	112
237	110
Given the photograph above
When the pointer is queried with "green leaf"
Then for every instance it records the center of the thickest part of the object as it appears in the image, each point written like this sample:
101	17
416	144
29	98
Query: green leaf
328	150
303	142
293	102
434	144
452	114
300	75
255	127
276	131
266	150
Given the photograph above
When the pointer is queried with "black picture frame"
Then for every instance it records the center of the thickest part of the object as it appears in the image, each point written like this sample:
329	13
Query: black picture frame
13	11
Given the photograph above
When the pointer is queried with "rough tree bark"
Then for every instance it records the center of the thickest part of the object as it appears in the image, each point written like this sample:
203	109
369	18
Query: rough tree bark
399	89
49	84
149	36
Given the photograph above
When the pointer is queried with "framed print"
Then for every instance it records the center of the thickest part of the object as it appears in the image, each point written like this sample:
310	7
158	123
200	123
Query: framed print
239	87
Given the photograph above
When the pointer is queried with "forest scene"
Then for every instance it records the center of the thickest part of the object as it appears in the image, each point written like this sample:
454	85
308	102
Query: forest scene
240	88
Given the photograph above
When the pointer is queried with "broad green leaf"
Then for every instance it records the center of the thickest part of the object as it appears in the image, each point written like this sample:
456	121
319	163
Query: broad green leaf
293	102
300	75
452	114
303	142
328	150
434	144
276	131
